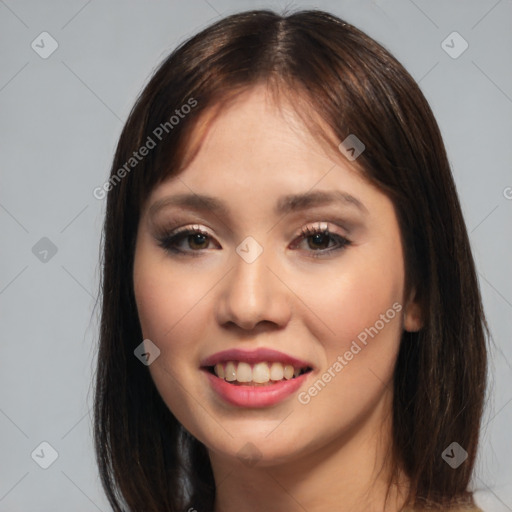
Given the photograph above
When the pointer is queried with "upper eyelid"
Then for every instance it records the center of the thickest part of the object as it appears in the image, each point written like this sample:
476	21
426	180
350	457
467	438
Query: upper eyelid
313	225
345	221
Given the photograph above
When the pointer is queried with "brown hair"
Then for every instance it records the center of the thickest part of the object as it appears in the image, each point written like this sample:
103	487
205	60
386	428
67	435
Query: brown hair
147	460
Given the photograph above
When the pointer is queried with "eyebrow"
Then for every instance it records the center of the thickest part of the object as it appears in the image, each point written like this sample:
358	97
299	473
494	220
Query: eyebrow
285	204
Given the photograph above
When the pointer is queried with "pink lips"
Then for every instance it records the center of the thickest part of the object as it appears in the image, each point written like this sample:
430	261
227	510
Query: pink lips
254	396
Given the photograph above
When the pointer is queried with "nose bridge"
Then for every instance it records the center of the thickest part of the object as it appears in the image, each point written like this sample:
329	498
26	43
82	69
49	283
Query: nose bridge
252	292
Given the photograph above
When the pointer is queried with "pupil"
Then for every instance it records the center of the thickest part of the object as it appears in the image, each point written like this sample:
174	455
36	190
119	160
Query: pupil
195	237
318	238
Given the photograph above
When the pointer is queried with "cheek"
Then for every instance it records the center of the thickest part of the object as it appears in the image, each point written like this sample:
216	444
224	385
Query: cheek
173	305
361	302
363	312
166	304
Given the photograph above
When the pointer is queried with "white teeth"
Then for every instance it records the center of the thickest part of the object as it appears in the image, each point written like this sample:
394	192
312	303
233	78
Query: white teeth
243	372
219	370
276	371
288	372
230	371
259	373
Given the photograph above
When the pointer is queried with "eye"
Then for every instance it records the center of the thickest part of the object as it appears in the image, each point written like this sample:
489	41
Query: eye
320	238
196	238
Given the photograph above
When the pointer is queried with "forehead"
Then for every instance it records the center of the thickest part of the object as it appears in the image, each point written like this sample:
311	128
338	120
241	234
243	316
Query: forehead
252	156
253	139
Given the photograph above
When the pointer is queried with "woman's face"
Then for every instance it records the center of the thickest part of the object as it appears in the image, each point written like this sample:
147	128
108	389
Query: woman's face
329	301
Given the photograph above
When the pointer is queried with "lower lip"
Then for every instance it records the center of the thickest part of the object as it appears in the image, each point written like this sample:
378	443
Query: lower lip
255	396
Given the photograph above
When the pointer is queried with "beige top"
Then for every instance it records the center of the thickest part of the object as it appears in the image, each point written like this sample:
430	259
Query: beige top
459	509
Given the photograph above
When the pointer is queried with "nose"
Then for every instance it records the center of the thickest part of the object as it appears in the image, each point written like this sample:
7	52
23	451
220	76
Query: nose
254	294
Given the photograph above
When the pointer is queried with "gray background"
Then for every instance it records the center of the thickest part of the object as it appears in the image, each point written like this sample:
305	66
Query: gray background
60	118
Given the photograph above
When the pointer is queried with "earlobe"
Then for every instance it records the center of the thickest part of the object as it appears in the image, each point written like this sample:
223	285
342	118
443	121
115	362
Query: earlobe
413	316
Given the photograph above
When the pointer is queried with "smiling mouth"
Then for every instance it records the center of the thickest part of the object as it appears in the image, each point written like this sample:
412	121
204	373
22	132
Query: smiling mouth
240	373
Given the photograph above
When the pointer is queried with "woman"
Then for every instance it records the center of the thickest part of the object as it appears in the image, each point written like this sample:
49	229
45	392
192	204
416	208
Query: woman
291	317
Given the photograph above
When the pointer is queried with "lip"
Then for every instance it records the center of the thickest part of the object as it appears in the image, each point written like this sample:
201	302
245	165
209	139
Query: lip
254	356
255	396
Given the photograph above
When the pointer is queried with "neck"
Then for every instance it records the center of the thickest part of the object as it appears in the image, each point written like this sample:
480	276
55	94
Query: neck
347	473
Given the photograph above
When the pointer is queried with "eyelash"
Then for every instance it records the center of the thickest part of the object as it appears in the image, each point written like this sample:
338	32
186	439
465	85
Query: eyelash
170	241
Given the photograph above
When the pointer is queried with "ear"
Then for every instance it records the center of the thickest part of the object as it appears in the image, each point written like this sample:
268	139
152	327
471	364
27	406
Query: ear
413	314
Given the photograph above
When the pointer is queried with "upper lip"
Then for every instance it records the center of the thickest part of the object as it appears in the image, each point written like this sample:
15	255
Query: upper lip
254	356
